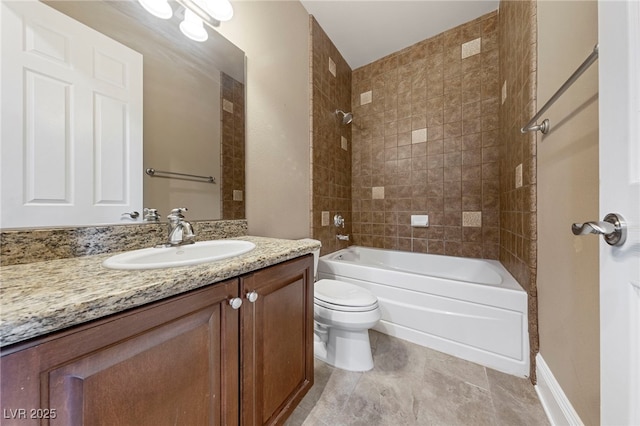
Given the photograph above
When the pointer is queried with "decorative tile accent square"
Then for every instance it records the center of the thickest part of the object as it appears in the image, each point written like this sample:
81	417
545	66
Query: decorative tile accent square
519	175
377	193
344	143
366	97
227	106
471	48
472	219
332	67
325	218
419	136
237	195
504	91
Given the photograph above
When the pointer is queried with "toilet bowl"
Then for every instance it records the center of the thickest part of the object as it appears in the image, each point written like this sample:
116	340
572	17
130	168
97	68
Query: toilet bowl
343	314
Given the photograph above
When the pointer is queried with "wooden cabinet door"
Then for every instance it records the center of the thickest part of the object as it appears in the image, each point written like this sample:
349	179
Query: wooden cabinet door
172	362
276	341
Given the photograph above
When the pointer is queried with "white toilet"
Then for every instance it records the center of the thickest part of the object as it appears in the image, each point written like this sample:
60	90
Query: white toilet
343	314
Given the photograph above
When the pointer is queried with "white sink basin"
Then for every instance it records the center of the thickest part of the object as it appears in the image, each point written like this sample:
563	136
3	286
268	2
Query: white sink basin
190	254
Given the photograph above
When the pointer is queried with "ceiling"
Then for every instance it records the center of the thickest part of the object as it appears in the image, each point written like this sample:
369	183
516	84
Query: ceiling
365	30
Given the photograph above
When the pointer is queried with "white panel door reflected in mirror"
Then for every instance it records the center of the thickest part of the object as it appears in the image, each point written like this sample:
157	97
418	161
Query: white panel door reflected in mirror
184	128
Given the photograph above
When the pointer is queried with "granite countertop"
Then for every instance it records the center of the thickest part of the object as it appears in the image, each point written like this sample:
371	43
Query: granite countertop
42	297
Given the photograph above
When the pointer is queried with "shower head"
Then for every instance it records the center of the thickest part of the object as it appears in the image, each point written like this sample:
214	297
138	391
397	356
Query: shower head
345	117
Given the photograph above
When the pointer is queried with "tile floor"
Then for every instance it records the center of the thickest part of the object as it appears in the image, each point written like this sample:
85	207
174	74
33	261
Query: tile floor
413	385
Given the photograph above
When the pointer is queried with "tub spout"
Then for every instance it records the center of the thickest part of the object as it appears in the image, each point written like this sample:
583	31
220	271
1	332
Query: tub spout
342	237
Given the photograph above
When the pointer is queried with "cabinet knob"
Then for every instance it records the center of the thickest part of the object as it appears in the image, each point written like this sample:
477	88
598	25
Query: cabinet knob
235	303
252	296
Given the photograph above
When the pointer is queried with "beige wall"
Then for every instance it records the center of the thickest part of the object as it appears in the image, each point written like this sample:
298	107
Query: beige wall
274	35
171	144
568	192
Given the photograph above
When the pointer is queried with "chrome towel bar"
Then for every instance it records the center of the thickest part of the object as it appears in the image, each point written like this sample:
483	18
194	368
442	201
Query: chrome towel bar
175	175
544	127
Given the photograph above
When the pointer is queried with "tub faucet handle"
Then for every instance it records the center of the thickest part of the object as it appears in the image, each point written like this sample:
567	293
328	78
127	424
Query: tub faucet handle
338	221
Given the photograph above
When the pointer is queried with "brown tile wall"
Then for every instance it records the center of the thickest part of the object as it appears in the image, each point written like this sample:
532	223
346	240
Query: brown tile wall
232	153
453	175
330	164
518	236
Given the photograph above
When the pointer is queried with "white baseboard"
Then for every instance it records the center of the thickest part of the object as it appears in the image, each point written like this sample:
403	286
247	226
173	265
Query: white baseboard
555	403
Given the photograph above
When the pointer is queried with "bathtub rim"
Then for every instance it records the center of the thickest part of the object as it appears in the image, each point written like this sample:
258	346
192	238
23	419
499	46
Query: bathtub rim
509	283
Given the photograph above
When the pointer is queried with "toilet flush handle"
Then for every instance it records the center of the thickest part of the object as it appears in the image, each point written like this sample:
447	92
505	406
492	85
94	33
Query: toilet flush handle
252	296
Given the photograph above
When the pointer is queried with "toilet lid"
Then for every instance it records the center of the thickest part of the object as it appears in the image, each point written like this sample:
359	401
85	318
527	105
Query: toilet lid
343	294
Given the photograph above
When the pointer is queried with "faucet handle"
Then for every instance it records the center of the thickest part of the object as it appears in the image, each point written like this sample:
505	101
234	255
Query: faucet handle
151	215
177	213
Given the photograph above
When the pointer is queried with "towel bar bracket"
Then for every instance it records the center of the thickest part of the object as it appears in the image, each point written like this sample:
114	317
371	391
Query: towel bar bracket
543	127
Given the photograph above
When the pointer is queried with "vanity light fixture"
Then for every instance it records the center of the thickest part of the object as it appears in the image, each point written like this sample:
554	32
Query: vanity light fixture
197	12
192	27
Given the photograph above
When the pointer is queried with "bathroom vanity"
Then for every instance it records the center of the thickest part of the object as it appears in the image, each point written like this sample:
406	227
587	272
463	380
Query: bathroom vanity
192	358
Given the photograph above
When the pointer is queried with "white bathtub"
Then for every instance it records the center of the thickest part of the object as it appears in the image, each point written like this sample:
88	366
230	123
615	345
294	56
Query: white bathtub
470	308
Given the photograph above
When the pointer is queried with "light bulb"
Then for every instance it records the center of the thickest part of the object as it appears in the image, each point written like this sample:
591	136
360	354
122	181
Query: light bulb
159	8
221	10
192	27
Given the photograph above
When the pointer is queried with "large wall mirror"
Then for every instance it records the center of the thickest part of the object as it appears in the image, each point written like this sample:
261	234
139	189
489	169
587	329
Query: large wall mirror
193	109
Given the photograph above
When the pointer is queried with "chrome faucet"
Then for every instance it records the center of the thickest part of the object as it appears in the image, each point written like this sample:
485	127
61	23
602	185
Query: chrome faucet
180	231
